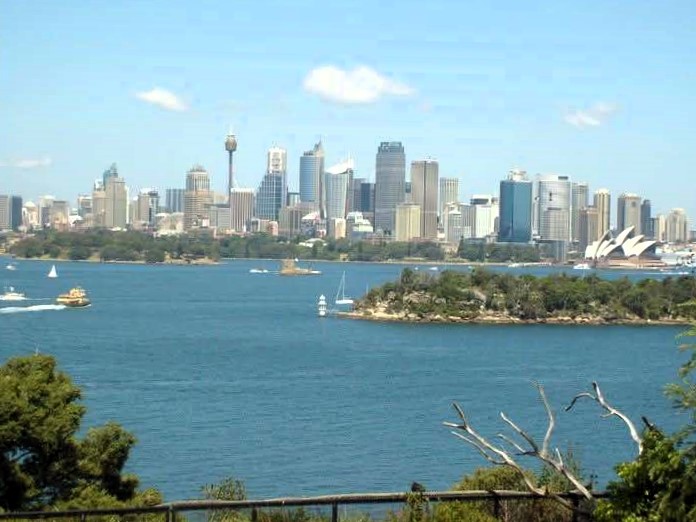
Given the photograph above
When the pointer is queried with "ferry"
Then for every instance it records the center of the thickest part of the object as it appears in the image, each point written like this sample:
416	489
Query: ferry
75	298
12	295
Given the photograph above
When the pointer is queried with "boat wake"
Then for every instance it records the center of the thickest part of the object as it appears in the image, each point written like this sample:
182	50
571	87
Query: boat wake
33	308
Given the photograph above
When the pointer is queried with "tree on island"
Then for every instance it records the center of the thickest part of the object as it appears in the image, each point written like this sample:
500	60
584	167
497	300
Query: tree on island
42	462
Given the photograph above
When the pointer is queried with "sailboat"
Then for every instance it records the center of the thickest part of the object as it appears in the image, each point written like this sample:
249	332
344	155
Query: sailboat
53	273
341	298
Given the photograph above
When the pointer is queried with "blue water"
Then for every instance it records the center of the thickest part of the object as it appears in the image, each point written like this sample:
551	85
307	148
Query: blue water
219	373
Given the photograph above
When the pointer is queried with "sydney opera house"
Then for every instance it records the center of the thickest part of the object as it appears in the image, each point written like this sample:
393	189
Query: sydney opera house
626	249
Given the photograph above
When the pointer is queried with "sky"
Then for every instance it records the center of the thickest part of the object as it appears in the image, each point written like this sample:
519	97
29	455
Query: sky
602	91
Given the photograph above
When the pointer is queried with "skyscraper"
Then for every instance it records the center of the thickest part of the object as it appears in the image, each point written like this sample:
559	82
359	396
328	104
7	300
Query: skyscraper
676	226
197	197
390	183
485	211
424	192
5	208
515	222
602	202
311	172
272	193
241	208
589	226
553	207
15	212
116	202
111	172
646	222
407	221
174	199
628	212
336	181
580	197
449	193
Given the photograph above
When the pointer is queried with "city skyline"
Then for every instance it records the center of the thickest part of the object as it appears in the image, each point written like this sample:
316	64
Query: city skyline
503	87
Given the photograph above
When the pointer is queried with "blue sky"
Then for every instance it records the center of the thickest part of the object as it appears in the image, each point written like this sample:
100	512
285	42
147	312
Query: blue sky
601	91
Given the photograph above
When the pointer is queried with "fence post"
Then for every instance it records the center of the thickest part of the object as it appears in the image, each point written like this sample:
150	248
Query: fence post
576	508
496	505
83	517
254	514
334	512
169	516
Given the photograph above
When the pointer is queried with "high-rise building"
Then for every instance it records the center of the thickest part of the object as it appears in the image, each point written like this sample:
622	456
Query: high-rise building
553	207
449	193
646	221
677	226
602	202
367	200
242	208
197	198
515	222
580	199
336	182
356	195
60	215
116	202
407	221
16	212
293	199
452	223
270	196
174	199
424	192
390	184
5	210
589	226
486	213
311	173
111	172
45	204
84	205
98	205
659	226
628	212
147	206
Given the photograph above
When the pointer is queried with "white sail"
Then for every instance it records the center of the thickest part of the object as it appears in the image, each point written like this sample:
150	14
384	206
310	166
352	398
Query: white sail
53	273
341	298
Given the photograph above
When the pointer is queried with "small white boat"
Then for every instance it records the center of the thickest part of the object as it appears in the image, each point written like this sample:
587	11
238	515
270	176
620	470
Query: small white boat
11	266
582	266
341	298
321	306
433	269
11	295
53	273
258	271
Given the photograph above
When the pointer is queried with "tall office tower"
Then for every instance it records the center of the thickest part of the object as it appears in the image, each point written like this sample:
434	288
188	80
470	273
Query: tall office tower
45	204
197	197
111	172
242	208
15	212
628	212
174	199
646	222
407	221
5	208
230	147
589	224
84	205
30	215
486	213
452	223
336	182
515	222
602	202
367	200
60	215
424	191
98	205
553	205
449	193
355	195
147	206
270	196
293	199
390	183
311	173
659	226
116	201
580	200
677	226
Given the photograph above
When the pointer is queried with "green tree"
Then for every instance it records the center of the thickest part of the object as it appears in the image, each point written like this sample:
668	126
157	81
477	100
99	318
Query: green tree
42	462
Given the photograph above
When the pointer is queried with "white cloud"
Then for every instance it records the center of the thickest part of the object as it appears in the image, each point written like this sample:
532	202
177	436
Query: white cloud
26	163
356	86
162	98
593	116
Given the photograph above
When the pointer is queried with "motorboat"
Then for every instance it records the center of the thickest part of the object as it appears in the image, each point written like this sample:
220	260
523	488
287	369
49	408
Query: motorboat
258	271
12	295
75	298
582	266
11	266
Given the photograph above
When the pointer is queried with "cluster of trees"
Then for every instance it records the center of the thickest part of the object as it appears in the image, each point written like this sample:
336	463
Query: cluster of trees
468	295
106	245
500	252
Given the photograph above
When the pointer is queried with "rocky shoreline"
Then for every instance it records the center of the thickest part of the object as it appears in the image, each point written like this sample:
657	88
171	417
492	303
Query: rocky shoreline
381	315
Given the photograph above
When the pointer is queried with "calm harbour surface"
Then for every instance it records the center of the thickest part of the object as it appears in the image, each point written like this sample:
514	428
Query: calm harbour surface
220	372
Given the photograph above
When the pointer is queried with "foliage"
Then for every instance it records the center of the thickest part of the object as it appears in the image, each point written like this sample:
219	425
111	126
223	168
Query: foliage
468	295
42	463
227	489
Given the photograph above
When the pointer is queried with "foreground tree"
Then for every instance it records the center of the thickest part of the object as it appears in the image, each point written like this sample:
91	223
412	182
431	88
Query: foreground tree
42	462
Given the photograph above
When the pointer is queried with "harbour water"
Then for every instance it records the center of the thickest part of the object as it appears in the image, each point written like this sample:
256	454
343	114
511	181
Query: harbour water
219	372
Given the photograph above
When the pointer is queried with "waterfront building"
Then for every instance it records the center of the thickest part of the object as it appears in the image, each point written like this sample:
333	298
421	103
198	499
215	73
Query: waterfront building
449	193
311	173
602	202
336	183
408	222
628	208
515	222
589	225
390	184
627	248
677	226
646	221
580	195
553	207
424	192
241	208
197	198
174	199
